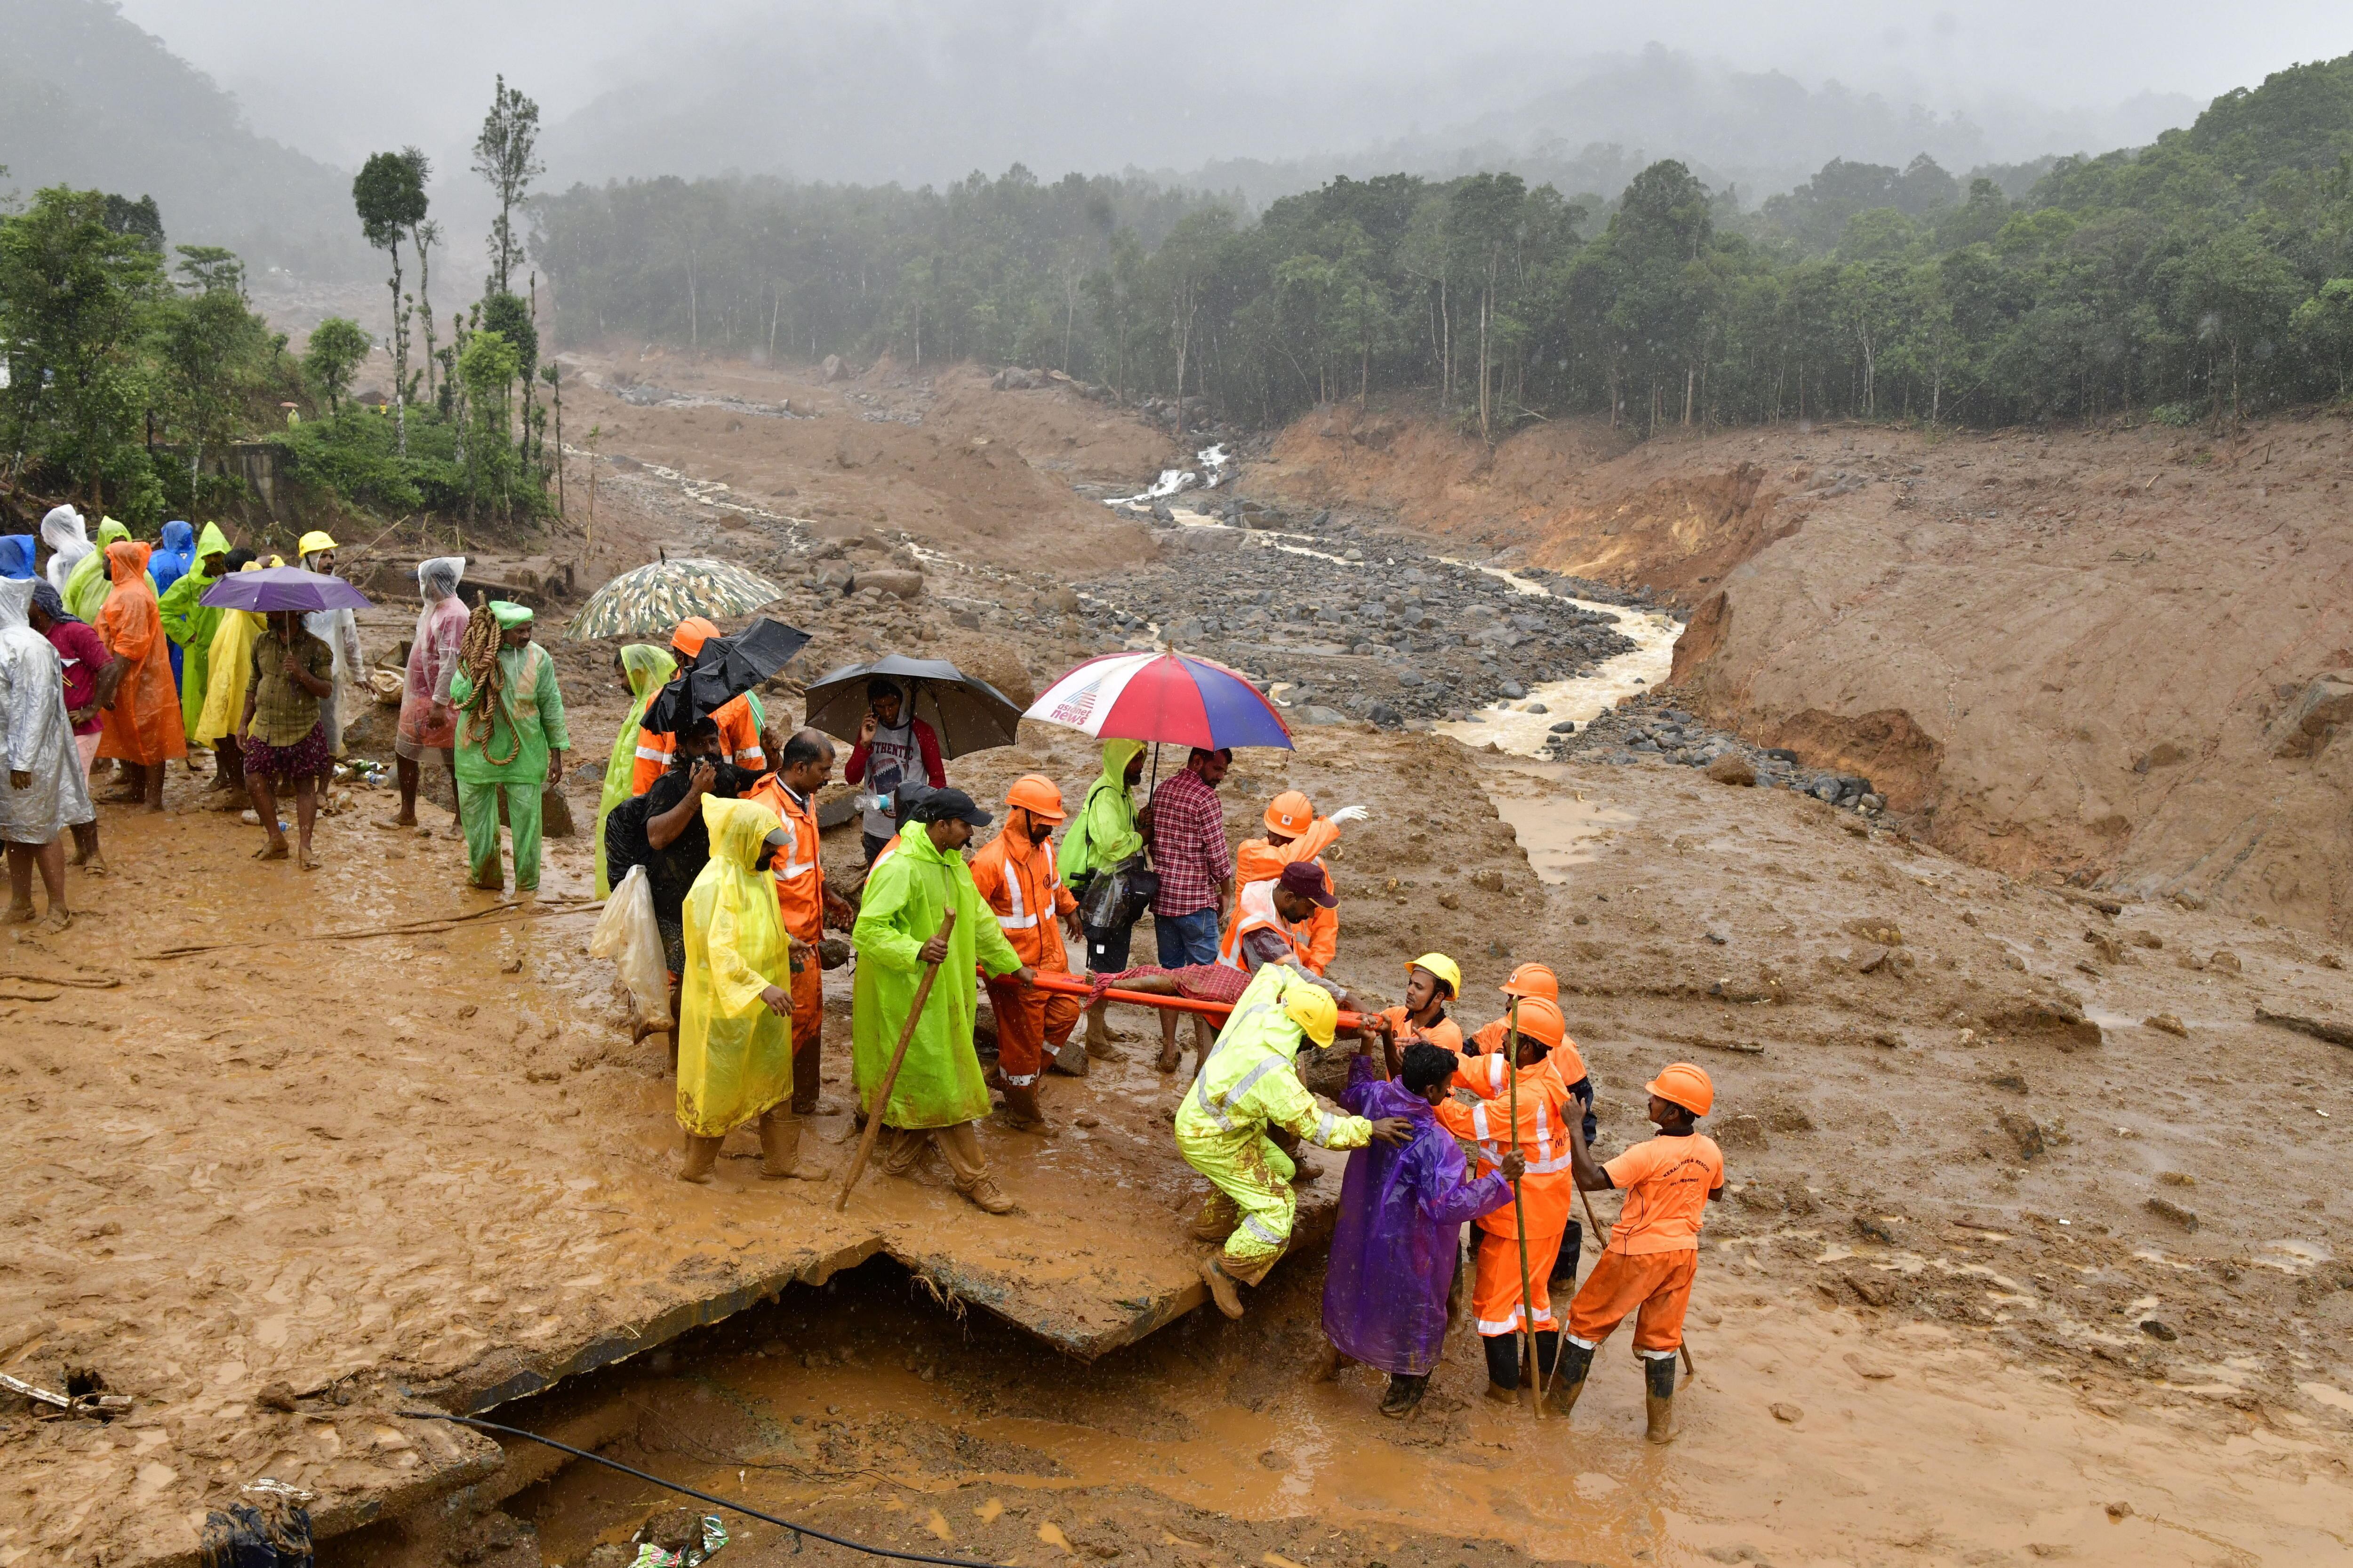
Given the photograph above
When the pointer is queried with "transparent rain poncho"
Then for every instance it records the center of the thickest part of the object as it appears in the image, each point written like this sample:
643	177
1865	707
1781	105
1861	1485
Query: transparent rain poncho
35	736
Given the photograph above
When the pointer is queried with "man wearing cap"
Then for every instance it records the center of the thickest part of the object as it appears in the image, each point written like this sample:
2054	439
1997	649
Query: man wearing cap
1269	917
804	766
510	736
1529	1084
739	718
340	630
1653	1253
1534	982
1246	1089
1016	874
939	1096
1294	833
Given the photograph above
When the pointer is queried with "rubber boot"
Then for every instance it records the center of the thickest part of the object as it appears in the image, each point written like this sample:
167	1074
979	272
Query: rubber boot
1021	1106
1222	1290
780	1149
1658	1397
701	1158
1502	1352
1568	1381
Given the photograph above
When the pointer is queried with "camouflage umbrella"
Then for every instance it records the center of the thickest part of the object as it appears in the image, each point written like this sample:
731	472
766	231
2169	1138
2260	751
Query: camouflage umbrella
654	598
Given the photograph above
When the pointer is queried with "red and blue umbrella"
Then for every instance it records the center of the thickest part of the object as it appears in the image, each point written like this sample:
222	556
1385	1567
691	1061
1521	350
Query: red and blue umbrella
282	588
1163	697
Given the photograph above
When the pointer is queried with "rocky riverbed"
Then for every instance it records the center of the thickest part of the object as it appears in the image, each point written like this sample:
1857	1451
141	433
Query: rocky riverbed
1651	726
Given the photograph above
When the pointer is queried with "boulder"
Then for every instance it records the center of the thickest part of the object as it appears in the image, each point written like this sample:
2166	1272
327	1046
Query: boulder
1732	768
900	584
835	368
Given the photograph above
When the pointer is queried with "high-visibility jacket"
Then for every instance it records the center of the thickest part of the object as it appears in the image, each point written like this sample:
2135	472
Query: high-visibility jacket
1247	1082
798	870
1549	1190
1019	881
738	719
1254	911
1317	937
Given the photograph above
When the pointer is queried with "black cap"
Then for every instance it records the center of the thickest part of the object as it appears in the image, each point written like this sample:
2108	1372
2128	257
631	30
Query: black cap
951	806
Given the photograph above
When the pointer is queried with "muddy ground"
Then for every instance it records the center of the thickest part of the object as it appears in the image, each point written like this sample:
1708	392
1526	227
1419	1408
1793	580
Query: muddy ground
2005	1272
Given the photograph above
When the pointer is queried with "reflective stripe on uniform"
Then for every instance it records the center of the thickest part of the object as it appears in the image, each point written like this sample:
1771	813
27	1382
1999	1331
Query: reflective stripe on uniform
1490	1328
1321	1136
1215	1106
1265	1232
1019	920
648	755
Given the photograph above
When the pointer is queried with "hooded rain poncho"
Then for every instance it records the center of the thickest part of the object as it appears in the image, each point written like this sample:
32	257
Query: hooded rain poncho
143	726
190	625
35	736
340	630
63	532
650	669
907	894
229	669
175	556
1104	833
734	1056
429	724
87	588
1397	1232
16	557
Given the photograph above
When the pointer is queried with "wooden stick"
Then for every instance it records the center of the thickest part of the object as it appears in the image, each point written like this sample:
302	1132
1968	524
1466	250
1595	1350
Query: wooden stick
891	1077
1520	1221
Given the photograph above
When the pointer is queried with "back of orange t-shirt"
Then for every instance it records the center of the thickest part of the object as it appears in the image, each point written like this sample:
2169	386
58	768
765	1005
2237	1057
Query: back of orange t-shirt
1666	1182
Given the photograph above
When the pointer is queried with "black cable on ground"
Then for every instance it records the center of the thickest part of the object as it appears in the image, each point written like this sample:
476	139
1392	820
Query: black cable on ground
798	1530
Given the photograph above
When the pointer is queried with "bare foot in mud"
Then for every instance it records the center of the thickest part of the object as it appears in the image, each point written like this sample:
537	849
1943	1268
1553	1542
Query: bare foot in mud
60	919
404	820
93	863
310	861
274	850
21	915
1171	1057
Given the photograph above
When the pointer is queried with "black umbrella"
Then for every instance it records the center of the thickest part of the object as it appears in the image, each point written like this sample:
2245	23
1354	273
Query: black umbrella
969	714
724	669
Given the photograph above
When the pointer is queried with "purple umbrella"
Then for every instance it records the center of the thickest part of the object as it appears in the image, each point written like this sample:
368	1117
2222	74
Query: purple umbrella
282	588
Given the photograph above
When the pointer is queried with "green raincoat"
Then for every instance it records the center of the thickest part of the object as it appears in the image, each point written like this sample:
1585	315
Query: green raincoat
1104	833
650	669
734	1056
528	721
906	897
191	625
87	585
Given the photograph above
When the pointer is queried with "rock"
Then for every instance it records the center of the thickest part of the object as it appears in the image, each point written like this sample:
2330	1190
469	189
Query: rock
1535	708
1785	1413
2159	1330
275	1397
2166	1024
834	369
1565	727
554	814
1873	1228
1513	689
2166	1209
1732	768
1316	713
1410	677
2025	1133
1386	717
1871	1289
833	952
900	584
2224	960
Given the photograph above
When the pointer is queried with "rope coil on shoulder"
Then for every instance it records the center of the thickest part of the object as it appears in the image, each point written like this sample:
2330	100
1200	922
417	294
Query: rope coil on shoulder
477	655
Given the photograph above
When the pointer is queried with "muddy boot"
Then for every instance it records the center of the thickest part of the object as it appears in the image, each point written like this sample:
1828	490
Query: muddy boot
780	1149
987	1196
701	1158
1658	1397
1222	1288
1502	1353
1404	1396
1569	1379
1022	1112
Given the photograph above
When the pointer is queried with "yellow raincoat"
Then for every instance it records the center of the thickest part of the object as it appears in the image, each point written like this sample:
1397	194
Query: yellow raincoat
228	669
734	1056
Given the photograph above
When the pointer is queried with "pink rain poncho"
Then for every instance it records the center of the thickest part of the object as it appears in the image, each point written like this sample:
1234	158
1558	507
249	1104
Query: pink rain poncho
428	723
1395	1240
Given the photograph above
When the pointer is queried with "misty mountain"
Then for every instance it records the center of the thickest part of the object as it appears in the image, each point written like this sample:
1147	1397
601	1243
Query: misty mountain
89	100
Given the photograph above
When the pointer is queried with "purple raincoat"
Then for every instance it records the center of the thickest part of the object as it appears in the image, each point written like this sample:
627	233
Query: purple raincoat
1394	1242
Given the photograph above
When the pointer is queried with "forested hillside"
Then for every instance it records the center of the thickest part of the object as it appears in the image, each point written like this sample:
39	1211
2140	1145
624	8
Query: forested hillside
2210	273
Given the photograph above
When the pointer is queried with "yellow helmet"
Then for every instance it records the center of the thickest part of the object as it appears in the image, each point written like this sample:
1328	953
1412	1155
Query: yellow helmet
1311	1007
1444	967
314	542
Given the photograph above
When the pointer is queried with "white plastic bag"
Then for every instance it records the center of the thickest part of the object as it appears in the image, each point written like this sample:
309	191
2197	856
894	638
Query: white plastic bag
626	933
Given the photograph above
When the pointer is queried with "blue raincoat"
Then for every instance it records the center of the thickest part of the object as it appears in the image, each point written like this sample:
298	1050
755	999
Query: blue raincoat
16	556
173	560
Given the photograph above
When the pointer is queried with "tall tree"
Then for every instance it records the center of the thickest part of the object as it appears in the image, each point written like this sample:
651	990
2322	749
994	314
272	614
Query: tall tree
210	350
337	347
506	154
390	195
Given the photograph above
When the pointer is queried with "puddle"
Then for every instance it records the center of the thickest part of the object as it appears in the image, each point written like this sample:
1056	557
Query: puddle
1561	828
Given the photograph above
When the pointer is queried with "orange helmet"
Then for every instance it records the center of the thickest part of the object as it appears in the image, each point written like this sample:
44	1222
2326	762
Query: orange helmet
1540	1021
1687	1086
1533	980
691	634
1290	813
1036	794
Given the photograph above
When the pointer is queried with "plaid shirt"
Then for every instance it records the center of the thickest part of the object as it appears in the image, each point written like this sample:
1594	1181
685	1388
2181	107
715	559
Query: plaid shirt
1188	844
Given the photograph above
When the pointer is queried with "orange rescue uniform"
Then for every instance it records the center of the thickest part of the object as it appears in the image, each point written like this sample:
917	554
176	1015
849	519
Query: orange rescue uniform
799	875
1653	1253
739	742
1254	911
1019	881
1446	1033
1548	1189
1317	938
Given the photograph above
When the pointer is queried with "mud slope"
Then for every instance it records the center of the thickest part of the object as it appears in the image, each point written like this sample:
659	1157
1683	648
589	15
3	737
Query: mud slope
2093	654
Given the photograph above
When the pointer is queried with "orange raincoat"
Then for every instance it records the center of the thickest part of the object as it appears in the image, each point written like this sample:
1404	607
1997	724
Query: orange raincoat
143	726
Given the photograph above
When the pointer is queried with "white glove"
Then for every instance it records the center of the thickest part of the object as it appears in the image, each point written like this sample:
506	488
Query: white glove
1350	813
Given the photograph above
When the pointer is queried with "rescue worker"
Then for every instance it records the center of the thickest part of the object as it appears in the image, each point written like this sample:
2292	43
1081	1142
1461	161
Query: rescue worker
1294	833
1653	1253
1431	981
1245	1090
1270	915
739	718
939	1097
1534	980
804	766
1548	1193
1016	873
1105	834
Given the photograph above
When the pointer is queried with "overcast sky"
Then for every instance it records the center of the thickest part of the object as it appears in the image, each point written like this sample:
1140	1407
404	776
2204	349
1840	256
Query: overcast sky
335	78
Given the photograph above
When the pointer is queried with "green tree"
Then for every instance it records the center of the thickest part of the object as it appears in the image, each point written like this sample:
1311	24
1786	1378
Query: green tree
2324	326
506	156
211	351
487	367
337	348
75	297
390	195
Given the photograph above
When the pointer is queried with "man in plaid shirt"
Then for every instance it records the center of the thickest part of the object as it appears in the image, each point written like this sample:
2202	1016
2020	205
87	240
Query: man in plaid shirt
1187	829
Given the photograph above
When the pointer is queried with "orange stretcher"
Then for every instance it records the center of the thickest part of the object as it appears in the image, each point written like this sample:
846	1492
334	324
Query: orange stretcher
1071	986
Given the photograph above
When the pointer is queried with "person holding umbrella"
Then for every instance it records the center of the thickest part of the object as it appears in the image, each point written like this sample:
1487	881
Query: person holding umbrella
939	1096
281	736
894	747
510	736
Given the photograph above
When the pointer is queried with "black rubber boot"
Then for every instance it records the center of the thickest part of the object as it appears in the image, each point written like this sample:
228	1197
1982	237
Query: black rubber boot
1572	1245
1503	1365
1575	1361
1404	1393
1659	1396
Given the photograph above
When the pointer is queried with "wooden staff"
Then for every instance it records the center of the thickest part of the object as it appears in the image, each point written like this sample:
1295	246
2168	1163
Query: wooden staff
881	1101
1520	1218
